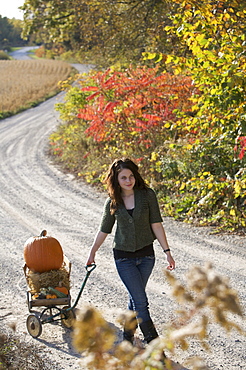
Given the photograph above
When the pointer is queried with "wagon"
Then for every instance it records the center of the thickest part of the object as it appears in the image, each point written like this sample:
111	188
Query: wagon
53	309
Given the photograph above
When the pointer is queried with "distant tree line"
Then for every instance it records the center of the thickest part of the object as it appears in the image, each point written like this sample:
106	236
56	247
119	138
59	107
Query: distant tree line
10	33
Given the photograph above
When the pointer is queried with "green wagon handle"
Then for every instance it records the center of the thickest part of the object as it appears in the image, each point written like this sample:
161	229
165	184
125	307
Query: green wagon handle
89	269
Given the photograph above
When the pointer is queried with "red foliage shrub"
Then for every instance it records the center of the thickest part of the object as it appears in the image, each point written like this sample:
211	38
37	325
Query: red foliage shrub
123	105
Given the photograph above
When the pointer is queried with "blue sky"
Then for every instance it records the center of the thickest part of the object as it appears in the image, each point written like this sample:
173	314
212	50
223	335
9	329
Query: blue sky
9	8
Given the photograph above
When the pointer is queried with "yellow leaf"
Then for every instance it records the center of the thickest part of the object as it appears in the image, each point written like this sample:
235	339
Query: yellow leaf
226	16
149	55
169	59
154	156
237	188
159	58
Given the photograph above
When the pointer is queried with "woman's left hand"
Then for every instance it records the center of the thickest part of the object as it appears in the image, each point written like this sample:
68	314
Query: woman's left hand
171	262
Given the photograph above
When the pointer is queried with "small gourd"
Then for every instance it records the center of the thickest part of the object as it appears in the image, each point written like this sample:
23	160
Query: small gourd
43	253
57	292
51	296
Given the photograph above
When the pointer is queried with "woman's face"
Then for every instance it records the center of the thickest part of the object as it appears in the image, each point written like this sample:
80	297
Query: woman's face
126	180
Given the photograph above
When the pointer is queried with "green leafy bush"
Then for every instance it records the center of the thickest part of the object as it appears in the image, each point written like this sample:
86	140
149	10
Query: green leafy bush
4	55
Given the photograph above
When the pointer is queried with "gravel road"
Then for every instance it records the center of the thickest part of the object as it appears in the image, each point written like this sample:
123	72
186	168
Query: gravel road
36	195
22	54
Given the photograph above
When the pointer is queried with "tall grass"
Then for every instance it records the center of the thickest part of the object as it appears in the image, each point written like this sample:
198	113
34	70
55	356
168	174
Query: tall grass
24	83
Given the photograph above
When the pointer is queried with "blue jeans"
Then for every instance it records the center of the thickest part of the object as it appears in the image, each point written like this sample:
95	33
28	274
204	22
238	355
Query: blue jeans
134	273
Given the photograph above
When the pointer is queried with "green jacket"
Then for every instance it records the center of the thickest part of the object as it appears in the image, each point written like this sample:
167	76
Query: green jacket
133	232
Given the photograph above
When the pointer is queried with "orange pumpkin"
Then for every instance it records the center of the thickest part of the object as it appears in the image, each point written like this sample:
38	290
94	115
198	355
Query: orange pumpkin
43	253
62	289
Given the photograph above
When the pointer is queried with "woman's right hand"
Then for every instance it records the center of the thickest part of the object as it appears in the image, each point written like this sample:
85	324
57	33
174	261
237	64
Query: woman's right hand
91	260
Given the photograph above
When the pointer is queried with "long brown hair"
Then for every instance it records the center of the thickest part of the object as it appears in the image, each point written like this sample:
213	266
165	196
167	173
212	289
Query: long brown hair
113	187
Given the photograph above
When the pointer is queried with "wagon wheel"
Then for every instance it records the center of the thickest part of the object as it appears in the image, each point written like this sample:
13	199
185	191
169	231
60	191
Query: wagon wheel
34	325
68	317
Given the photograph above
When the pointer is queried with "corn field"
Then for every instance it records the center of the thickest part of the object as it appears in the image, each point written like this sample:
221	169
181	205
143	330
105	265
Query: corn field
24	83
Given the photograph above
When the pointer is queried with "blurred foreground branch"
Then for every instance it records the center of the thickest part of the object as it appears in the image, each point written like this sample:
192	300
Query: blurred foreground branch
206	297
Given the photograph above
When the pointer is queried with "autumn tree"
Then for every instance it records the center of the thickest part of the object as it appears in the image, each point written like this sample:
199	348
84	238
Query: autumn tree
196	156
113	30
214	35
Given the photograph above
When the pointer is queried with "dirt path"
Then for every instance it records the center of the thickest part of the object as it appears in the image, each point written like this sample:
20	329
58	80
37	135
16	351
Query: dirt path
35	195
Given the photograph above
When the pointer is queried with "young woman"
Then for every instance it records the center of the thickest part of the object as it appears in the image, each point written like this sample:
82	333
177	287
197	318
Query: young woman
134	208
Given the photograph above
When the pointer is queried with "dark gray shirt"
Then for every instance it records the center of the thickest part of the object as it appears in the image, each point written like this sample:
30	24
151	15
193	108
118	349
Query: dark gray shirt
133	232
